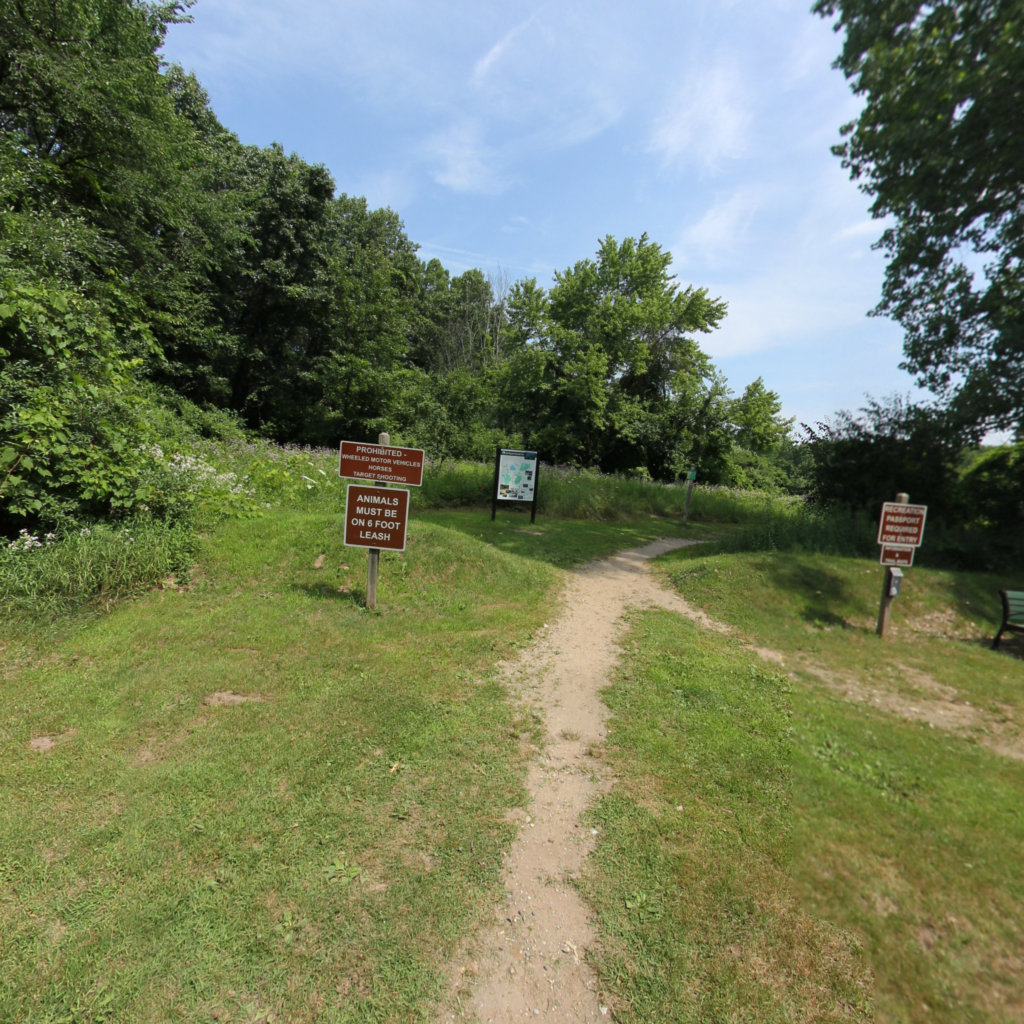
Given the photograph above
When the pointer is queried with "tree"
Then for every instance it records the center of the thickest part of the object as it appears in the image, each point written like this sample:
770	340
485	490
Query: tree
374	276
756	415
89	129
938	146
615	335
893	446
116	180
458	320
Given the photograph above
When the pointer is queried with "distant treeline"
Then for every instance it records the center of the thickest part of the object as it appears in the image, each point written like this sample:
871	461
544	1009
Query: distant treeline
147	258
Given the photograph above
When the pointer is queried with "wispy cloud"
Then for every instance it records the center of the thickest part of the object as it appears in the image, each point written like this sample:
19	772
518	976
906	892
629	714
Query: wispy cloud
494	55
707	121
863	229
394	188
463	162
722	233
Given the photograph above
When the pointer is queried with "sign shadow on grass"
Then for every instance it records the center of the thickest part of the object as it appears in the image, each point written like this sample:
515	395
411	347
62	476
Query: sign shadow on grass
325	592
825	595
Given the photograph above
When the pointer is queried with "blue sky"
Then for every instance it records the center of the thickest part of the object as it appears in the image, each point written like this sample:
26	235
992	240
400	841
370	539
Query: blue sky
513	136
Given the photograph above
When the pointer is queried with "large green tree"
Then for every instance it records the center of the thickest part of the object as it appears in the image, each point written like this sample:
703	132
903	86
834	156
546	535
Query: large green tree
92	152
938	146
604	369
758	420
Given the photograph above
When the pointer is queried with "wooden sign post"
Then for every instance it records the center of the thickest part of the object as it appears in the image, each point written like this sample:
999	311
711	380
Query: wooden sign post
900	532
376	518
690	477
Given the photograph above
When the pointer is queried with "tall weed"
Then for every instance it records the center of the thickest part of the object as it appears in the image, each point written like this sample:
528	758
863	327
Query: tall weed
794	525
194	486
44	576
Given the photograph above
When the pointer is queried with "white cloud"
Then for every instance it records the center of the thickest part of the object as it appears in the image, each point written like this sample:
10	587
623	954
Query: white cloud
494	55
804	273
462	161
868	229
391	188
708	120
811	48
722	233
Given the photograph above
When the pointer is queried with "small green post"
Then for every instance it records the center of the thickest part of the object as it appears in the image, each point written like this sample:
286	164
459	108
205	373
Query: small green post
690	477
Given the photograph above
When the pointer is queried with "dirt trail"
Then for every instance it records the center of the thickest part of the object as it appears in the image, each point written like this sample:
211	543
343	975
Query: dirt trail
529	965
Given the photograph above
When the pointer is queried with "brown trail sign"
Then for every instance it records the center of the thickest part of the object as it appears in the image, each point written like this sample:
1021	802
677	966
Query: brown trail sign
900	532
382	462
376	517
893	555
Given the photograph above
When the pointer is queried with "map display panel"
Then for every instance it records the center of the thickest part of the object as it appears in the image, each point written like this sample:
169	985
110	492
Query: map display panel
517	475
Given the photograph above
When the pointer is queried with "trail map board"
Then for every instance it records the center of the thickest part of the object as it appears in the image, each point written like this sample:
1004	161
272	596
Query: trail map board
515	479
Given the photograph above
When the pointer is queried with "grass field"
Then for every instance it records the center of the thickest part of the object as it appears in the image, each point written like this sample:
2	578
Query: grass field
827	827
246	798
250	798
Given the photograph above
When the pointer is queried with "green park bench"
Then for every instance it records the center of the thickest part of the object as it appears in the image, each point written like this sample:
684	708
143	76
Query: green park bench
1013	614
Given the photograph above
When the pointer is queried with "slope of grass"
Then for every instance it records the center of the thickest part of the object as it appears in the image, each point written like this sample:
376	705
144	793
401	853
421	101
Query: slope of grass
822	611
698	915
248	798
840	833
310	853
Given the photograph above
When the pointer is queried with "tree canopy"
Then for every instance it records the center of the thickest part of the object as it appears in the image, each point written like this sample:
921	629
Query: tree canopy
606	370
150	261
938	146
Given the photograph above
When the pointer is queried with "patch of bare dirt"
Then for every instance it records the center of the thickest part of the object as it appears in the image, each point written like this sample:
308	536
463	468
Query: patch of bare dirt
223	698
530	963
45	743
157	748
935	704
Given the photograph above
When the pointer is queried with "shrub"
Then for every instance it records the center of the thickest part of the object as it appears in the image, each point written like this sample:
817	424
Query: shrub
73	421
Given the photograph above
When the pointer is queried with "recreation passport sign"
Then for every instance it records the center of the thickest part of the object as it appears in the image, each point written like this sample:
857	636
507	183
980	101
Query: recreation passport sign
900	532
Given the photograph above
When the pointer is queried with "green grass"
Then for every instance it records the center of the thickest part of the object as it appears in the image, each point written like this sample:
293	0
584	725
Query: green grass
910	838
558	542
821	612
698	916
775	849
309	855
102	563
